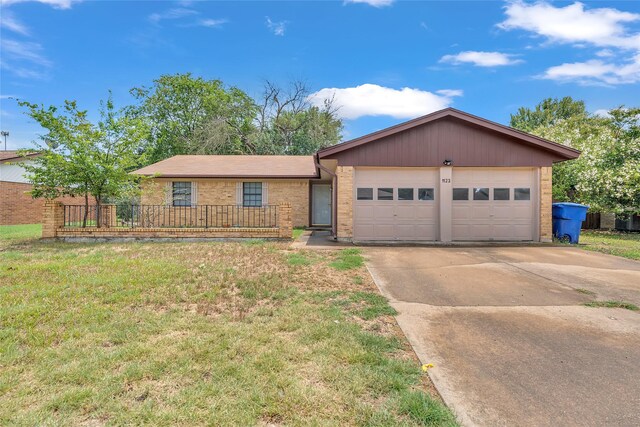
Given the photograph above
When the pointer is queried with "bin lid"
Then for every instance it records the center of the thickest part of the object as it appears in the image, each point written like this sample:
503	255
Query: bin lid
570	205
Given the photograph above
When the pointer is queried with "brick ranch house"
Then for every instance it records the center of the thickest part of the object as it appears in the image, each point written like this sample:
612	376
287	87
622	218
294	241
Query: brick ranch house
447	176
16	204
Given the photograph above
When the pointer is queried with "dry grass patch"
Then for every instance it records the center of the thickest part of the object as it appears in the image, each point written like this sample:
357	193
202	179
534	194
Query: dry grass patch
199	334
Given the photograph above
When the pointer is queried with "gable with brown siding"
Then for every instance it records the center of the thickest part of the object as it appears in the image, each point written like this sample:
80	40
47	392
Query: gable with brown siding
467	140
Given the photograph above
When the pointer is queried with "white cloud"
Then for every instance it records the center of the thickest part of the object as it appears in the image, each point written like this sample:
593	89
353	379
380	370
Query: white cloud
618	59
450	92
20	58
602	113
176	13
211	23
605	53
481	59
373	100
573	24
182	14
24	59
374	3
23	72
278	28
9	21
24	51
58	4
596	71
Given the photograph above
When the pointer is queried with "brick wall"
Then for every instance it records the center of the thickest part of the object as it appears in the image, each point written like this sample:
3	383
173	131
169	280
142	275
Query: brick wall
344	227
546	198
181	233
223	192
18	207
52	219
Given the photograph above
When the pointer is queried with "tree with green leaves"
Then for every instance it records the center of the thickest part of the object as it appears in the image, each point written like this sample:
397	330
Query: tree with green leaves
188	115
191	115
80	158
288	123
606	176
547	113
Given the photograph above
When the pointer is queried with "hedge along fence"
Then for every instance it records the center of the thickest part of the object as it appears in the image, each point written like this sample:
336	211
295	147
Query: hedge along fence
153	221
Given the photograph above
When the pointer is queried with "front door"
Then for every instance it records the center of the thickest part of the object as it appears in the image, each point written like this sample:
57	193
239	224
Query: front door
321	204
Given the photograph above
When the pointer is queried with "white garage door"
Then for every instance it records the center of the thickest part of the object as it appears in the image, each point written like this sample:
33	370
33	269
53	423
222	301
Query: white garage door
494	204
395	204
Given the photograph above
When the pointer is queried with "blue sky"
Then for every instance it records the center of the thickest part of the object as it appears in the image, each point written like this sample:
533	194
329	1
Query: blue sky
384	61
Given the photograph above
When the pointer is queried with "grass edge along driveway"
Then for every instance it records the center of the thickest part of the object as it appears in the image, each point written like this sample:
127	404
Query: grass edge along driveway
200	333
626	245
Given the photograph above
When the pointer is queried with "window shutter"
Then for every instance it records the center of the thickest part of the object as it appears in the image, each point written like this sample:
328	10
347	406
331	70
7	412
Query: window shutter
265	194
194	193
169	194
239	193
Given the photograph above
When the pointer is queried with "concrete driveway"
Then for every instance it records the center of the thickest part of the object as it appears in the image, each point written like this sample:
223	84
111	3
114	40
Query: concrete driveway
511	342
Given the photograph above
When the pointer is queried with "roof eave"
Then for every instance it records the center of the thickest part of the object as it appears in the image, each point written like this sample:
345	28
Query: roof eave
20	158
185	176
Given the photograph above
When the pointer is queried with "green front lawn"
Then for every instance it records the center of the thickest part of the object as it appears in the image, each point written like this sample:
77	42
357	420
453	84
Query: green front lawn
610	242
16	233
200	334
297	232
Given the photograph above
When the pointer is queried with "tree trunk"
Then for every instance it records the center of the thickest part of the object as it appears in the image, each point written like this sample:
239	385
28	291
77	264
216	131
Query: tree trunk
86	209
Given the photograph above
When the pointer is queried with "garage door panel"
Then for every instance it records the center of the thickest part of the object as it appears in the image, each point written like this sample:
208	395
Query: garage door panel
480	210
396	219
494	219
417	212
426	211
461	229
363	213
521	212
426	232
406	231
363	229
383	212
504	229
460	212
502	212
384	231
407	212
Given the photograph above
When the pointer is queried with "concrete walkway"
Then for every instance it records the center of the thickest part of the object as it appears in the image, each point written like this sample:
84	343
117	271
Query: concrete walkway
317	239
511	342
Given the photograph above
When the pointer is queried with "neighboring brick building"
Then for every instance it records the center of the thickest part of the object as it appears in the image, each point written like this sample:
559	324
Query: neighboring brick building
447	176
16	204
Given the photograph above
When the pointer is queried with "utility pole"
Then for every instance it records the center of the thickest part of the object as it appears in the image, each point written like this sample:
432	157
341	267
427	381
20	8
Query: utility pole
5	134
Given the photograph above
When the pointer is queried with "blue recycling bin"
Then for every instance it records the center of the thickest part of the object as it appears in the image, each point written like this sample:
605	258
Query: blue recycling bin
567	220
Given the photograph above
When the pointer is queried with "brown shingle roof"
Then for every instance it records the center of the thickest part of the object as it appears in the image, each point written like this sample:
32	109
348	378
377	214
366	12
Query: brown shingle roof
12	155
233	167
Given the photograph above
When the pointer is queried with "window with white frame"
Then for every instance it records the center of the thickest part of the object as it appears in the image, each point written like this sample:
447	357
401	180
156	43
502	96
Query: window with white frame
251	194
181	193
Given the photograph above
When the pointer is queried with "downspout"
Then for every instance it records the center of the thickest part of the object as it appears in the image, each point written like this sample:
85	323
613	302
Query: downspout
334	196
